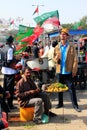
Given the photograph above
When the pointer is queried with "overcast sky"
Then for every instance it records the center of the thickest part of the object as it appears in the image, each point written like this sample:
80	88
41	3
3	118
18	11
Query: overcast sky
69	10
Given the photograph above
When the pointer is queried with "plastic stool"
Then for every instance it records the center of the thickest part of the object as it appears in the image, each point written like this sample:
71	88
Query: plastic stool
26	114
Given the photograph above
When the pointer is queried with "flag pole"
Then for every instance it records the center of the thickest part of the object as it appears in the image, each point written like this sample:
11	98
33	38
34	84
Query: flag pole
38	5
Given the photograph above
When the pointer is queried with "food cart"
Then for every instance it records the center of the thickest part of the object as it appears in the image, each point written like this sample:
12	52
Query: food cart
39	66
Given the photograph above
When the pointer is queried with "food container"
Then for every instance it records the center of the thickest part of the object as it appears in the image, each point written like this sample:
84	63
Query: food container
37	63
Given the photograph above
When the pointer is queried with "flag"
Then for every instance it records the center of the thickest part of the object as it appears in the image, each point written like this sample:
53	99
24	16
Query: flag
20	50
21	34
22	28
36	33
30	39
40	19
38	30
36	10
54	21
12	22
27	38
22	45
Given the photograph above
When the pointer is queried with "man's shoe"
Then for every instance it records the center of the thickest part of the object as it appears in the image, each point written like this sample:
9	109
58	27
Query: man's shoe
77	109
59	106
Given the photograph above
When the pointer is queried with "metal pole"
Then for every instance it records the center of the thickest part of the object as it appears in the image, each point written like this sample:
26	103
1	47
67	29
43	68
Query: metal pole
38	9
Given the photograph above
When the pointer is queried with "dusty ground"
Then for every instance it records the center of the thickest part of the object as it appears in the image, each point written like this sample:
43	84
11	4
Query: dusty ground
67	118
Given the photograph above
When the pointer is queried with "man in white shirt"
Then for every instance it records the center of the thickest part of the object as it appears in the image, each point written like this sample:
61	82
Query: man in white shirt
8	71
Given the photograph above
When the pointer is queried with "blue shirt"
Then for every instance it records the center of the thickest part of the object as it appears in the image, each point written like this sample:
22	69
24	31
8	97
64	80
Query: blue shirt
63	59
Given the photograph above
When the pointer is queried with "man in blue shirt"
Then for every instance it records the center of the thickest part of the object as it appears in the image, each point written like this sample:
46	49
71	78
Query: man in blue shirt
66	60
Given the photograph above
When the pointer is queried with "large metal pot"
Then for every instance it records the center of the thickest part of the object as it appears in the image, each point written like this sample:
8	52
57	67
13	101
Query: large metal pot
38	63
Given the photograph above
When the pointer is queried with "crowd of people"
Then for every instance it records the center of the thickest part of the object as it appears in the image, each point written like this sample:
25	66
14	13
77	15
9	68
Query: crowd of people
62	62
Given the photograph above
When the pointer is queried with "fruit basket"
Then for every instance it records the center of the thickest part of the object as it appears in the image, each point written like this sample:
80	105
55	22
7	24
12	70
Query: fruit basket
57	87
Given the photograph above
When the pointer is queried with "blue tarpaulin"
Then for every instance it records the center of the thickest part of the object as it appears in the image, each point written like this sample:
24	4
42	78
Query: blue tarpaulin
78	32
71	32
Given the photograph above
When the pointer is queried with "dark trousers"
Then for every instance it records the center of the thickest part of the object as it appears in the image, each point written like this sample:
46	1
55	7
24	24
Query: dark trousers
68	80
3	105
4	108
9	86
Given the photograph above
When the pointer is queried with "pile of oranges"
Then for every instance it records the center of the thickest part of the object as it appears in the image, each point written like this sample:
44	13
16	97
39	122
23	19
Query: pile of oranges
57	87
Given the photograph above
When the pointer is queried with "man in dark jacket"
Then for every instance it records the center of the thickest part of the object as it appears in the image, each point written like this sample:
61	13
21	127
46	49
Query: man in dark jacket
29	95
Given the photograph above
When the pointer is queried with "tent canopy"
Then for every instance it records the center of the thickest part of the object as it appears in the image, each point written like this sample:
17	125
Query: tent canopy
71	32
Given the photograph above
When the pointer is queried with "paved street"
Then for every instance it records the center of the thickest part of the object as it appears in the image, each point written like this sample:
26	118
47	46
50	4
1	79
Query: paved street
67	118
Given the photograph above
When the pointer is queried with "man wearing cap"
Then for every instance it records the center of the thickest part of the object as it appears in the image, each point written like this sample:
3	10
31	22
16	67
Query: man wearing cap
8	71
66	60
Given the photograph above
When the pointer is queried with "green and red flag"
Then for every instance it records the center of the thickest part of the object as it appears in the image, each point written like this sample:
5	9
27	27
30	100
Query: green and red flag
12	22
26	36
24	31
36	33
36	10
20	50
42	18
54	21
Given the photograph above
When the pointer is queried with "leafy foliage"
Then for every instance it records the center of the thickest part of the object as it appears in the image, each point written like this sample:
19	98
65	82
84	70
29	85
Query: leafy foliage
82	24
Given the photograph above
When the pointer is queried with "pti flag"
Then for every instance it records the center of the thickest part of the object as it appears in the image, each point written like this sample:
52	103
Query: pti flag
36	10
36	33
54	21
42	18
12	22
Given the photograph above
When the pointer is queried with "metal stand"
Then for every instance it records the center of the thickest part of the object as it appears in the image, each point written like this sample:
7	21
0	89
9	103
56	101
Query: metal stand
63	115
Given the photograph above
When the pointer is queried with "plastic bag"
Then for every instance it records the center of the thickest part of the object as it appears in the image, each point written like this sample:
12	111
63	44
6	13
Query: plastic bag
45	118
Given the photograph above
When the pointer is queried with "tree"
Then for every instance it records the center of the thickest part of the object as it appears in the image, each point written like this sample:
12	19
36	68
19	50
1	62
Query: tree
81	24
84	22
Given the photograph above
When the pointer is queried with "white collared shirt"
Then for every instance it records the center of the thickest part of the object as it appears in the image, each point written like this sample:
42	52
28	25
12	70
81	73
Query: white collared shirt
7	70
